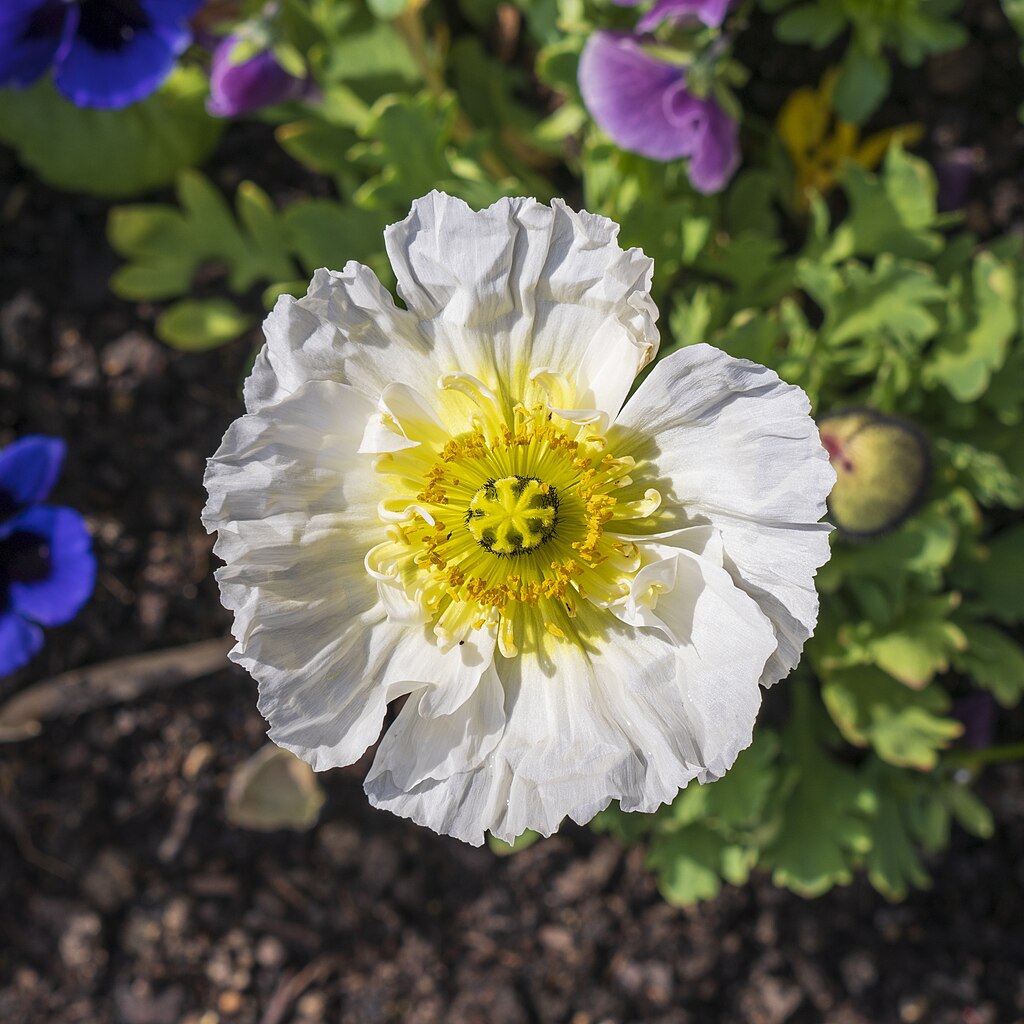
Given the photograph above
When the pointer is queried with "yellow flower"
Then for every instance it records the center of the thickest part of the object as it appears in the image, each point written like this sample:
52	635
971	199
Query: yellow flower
819	143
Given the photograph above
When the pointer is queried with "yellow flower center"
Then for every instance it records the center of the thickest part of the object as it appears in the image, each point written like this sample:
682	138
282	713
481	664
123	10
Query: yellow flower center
508	525
512	515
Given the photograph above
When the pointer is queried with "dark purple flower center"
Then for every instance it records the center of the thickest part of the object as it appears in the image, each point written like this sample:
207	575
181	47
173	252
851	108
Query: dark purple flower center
24	558
111	24
8	506
47	20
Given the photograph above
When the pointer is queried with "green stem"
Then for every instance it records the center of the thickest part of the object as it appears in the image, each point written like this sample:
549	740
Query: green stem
989	755
409	26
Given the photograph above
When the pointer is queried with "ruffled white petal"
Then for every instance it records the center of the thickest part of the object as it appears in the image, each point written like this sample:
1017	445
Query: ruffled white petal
328	711
630	716
296	509
275	471
734	446
420	746
348	329
521	285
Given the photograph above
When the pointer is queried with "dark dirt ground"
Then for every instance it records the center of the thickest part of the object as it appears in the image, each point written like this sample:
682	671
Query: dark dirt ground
127	898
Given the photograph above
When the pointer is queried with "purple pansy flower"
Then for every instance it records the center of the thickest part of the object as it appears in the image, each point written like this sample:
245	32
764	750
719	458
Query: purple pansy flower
104	53
644	106
711	12
47	569
260	81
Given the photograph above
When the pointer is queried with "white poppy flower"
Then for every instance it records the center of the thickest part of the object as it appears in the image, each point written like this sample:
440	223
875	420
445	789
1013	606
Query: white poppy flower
579	600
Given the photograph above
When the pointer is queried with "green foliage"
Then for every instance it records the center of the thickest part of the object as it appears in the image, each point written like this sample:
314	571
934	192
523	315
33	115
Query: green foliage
879	309
914	29
876	301
905	728
110	152
252	244
711	832
822	827
198	324
993	660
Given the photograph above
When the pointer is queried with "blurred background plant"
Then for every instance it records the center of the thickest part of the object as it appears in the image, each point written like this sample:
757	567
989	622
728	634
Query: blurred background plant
802	241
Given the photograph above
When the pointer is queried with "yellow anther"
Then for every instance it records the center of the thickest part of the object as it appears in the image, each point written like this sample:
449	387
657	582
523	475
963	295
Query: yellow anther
527	497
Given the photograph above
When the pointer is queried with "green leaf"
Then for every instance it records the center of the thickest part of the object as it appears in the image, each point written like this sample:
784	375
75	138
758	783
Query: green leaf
968	810
994	661
752	262
892	299
822	829
408	139
1014	11
112	153
862	84
888	212
918	644
274	291
993	477
568	119
520	843
816	24
166	246
892	862
626	827
290	59
196	325
750	203
693	316
386	10
921	36
737	800
687	864
323	233
904	726
964	360
479	13
371	61
922	547
995	578
912	188
316	144
749	335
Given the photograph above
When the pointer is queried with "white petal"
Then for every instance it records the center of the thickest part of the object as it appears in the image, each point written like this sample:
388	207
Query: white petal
400	606
633	717
330	717
348	329
419	746
295	507
736	447
290	464
521	285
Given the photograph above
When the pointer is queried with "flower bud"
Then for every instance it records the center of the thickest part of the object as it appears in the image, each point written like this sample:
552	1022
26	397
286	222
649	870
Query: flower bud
238	86
882	468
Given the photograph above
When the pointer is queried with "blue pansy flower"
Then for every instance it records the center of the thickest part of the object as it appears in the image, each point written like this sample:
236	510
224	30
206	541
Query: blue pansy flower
104	53
47	568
